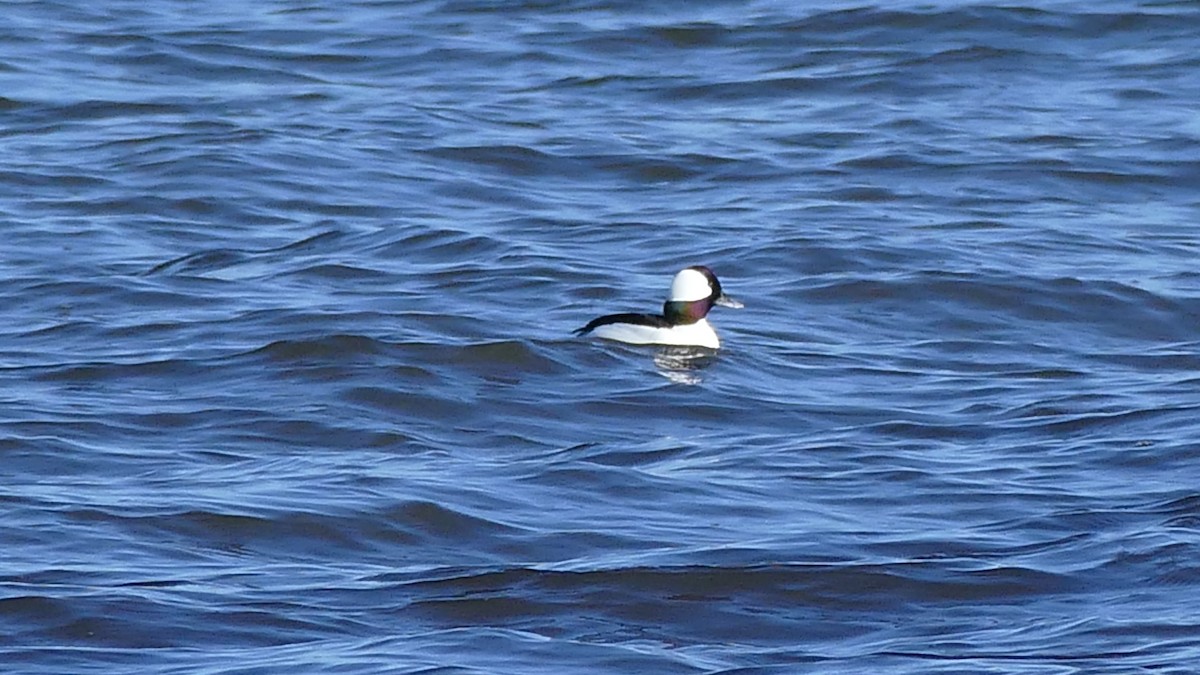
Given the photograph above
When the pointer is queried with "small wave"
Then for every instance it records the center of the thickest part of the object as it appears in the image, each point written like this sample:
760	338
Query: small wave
710	593
200	263
330	348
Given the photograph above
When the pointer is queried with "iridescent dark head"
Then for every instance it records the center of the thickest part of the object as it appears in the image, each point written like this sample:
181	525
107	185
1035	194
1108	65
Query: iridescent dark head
694	291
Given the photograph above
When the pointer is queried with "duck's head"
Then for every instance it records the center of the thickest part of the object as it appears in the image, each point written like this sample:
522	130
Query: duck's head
694	291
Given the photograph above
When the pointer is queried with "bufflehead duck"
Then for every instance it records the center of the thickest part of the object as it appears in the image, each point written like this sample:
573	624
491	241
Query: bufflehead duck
694	291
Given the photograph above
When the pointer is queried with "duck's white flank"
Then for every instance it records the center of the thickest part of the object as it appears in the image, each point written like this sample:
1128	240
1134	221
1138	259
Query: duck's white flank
698	334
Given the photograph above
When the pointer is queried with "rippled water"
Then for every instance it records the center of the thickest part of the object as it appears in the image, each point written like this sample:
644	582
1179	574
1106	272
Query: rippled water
289	382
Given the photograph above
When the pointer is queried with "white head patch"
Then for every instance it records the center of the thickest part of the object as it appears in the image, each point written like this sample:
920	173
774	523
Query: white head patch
690	285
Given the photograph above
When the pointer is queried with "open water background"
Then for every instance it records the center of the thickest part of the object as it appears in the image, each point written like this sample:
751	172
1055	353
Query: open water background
287	381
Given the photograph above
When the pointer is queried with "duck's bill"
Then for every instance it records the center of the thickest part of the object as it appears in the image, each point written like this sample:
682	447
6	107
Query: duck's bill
726	301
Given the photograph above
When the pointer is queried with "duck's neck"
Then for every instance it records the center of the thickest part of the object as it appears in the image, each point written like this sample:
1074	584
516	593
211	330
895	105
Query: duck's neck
679	312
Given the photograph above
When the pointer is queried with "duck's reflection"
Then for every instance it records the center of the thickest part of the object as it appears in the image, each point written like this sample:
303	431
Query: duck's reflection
684	365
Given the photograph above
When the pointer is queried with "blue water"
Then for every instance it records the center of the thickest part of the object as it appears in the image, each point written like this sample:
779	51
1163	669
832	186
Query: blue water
287	380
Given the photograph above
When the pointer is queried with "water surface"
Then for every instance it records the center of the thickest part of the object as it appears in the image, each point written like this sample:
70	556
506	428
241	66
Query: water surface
289	382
